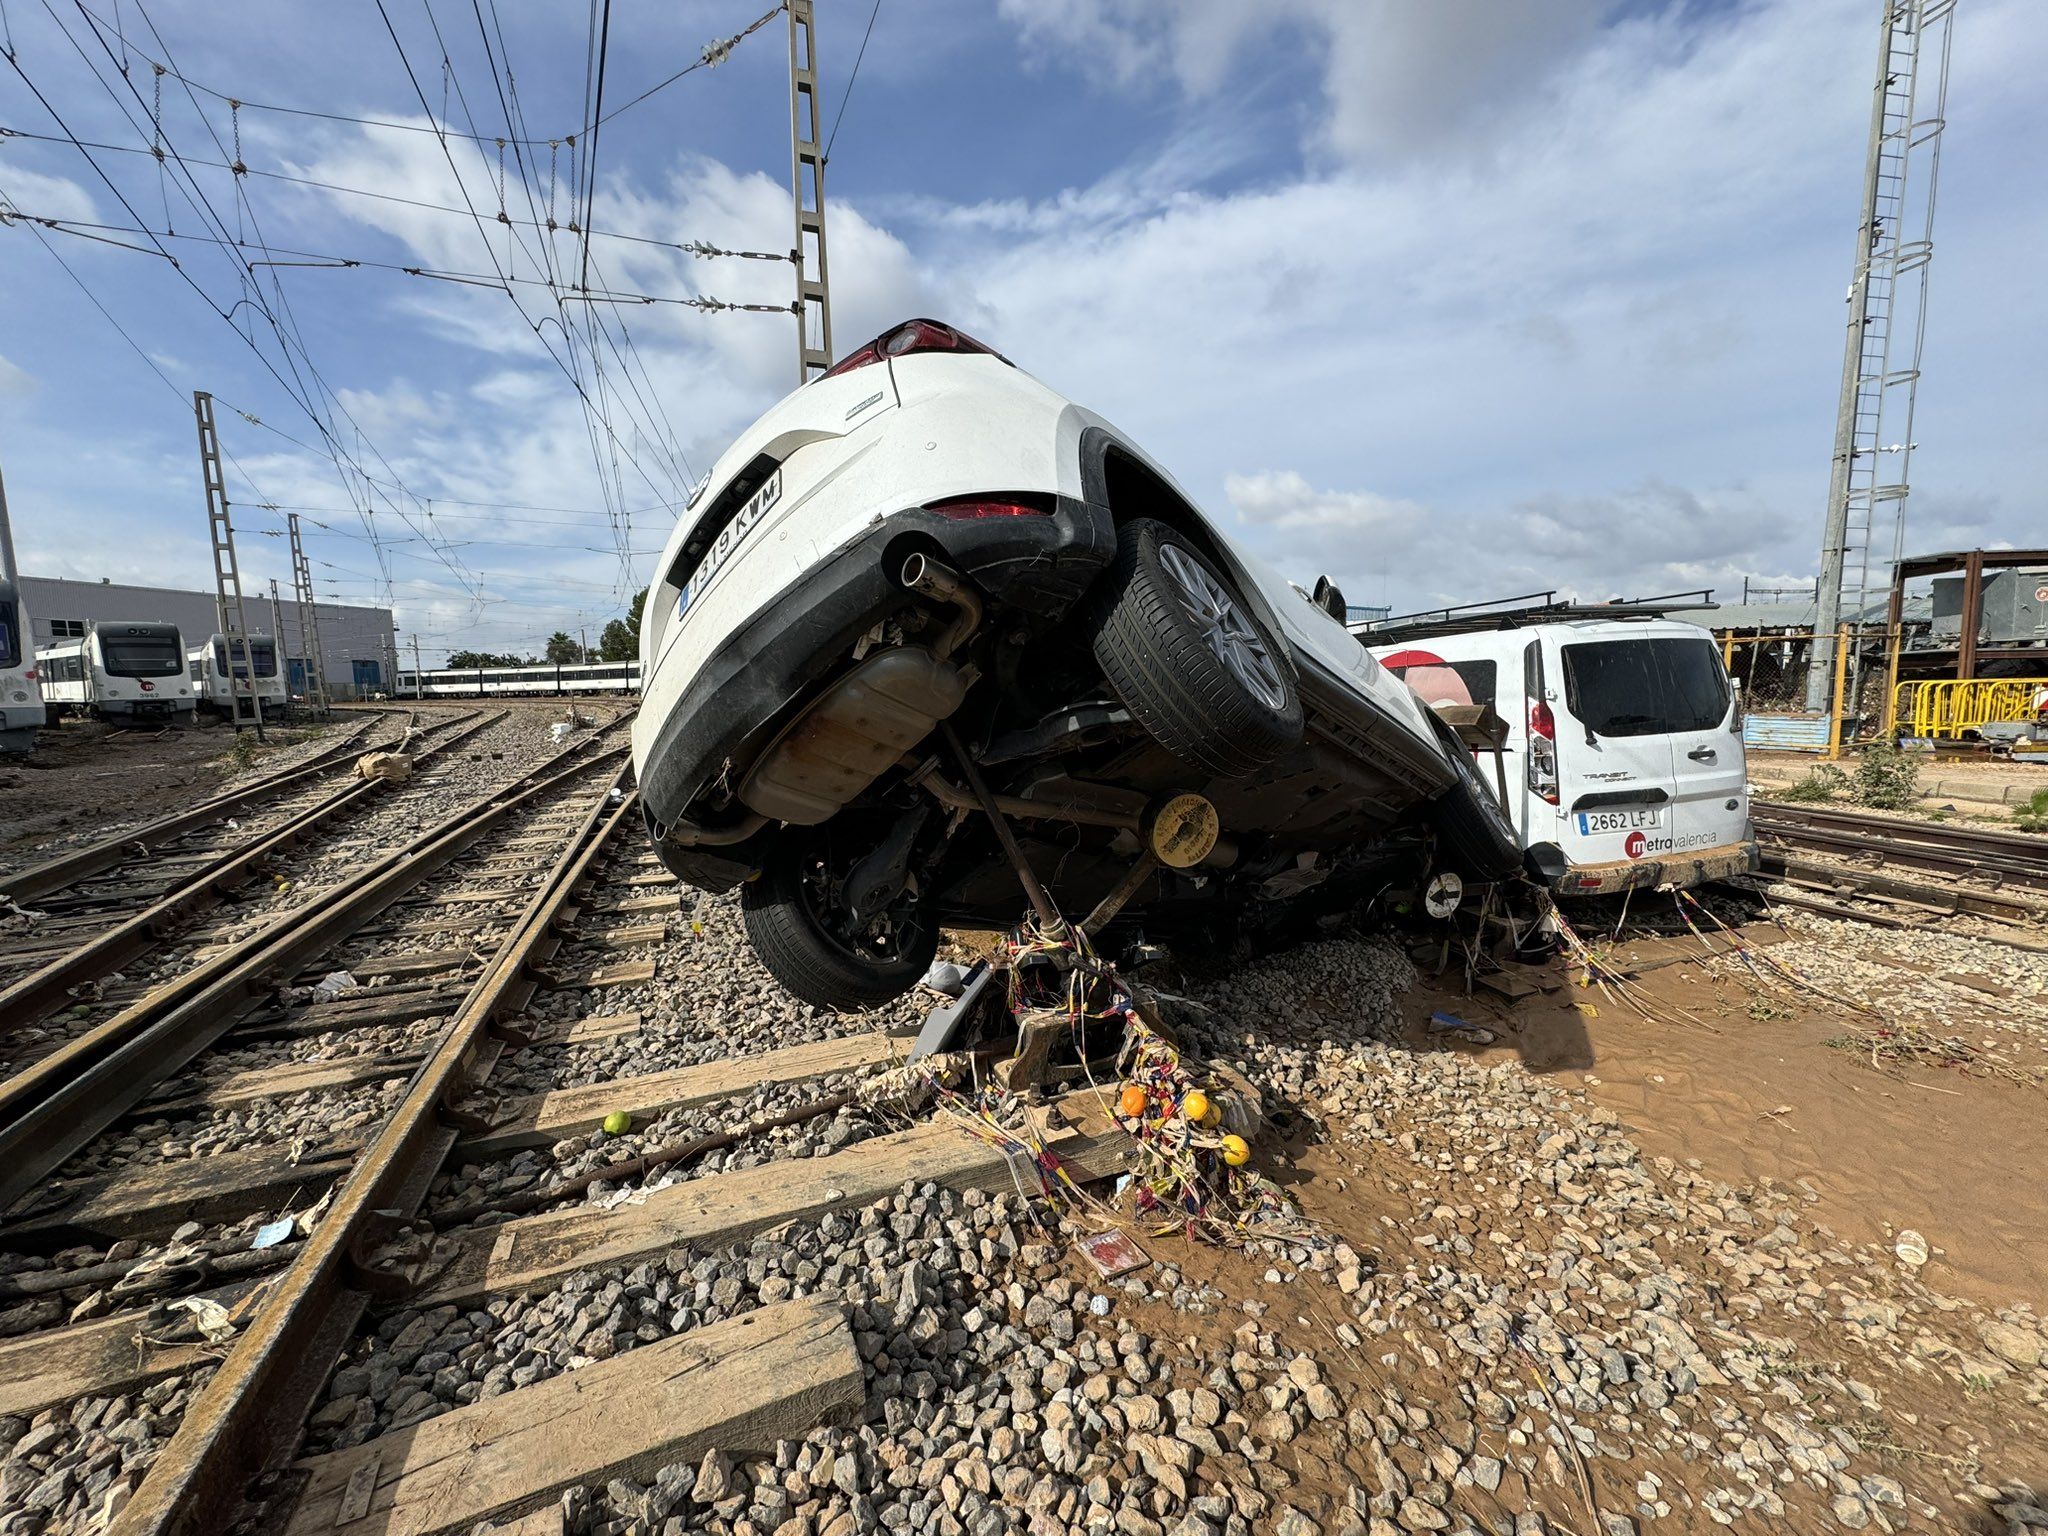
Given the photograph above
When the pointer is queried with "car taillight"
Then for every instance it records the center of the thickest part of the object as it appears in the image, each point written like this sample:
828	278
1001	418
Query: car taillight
910	337
1542	752
968	508
871	353
30	674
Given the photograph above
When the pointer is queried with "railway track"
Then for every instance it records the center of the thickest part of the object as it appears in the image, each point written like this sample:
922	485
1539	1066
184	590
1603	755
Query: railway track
1982	856
55	1105
484	1146
108	904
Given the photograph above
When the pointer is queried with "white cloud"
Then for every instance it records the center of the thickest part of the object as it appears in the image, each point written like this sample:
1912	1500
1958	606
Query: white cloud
45	197
16	382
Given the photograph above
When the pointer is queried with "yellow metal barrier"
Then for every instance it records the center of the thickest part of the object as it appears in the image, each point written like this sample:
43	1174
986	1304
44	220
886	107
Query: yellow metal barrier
1947	708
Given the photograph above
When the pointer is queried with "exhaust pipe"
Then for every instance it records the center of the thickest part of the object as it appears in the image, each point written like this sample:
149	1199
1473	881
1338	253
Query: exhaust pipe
928	578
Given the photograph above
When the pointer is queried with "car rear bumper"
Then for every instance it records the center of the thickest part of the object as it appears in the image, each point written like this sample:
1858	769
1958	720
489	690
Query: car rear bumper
1681	869
743	691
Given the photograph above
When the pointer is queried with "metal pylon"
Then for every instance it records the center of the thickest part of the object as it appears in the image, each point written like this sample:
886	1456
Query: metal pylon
309	622
1866	522
807	188
227	574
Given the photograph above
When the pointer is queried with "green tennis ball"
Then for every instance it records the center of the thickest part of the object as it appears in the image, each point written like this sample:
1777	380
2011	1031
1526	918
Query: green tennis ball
617	1123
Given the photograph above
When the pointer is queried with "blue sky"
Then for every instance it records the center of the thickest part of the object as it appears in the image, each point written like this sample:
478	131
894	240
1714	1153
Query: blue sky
1450	300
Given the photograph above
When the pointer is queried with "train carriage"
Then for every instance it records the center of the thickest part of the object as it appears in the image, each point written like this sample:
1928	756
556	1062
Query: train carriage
21	696
566	680
210	667
120	670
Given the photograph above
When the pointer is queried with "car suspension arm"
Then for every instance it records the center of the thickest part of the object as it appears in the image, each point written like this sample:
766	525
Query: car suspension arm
1041	900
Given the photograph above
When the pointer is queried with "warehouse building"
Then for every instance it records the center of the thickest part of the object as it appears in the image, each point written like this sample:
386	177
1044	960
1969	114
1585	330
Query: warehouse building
355	643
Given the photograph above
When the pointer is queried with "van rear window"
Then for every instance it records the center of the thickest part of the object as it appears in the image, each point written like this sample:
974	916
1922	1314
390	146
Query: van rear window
1647	687
1437	681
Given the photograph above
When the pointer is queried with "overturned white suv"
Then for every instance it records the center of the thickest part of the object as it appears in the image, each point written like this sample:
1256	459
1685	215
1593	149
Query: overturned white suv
923	586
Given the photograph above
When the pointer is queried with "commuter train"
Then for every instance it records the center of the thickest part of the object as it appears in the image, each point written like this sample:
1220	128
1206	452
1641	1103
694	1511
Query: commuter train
209	667
119	671
568	679
21	696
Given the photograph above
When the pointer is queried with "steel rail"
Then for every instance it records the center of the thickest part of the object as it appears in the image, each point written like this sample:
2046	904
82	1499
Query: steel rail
39	993
2023	845
249	1415
83	863
1947	896
2027	870
61	1102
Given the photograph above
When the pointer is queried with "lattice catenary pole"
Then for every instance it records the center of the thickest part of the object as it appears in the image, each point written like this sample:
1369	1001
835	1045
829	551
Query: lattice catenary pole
1866	513
309	622
807	189
229	616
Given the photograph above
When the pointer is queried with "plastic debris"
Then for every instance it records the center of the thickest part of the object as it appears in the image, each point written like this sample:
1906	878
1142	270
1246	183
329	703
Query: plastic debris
394	766
332	985
210	1317
271	1233
1451	1024
1911	1248
945	978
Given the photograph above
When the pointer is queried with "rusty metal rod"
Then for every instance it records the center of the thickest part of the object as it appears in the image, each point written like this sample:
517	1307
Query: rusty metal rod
525	1200
1041	900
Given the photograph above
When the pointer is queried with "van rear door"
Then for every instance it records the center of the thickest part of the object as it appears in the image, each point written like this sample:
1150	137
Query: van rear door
1613	750
1648	759
1710	789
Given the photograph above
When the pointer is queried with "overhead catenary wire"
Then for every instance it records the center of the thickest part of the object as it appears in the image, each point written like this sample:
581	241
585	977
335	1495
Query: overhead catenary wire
236	231
419	91
261	502
288	256
847	94
702	249
711	56
306	386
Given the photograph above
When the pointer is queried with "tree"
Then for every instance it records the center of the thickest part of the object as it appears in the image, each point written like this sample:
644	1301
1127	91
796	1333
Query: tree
618	643
633	617
472	659
562	649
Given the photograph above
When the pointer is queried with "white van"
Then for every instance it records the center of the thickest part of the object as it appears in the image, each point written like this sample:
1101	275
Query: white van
1624	759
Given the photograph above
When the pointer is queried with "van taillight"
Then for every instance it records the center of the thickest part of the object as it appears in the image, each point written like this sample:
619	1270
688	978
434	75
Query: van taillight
1542	752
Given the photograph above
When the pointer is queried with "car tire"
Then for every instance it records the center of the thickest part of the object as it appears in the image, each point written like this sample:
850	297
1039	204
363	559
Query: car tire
1474	835
1213	687
780	913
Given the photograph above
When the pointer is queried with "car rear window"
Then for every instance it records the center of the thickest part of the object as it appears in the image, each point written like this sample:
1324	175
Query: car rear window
1647	687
